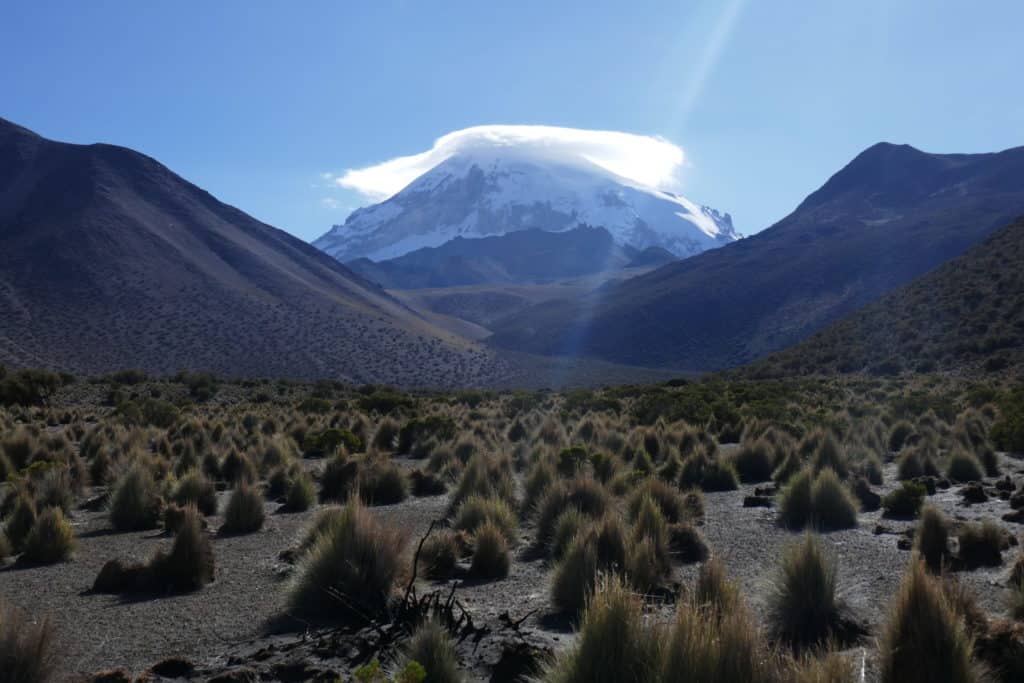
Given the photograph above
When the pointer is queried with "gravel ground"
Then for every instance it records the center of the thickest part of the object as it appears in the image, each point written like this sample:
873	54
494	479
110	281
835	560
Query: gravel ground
98	632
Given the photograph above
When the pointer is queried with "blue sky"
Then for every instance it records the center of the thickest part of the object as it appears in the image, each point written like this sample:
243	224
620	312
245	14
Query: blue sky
254	101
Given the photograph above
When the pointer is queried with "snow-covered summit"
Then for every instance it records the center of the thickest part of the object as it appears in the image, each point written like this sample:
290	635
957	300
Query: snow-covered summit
494	190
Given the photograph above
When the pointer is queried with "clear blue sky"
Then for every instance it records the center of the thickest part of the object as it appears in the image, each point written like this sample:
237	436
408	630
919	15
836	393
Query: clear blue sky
254	100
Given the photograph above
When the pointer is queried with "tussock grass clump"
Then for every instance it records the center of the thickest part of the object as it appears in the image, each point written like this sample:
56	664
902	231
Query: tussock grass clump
22	519
382	482
353	556
924	639
338	478
432	648
615	644
980	545
719	475
669	499
51	539
490	552
585	494
713	588
931	538
301	494
898	435
568	525
486	476
686	543
804	610
540	477
602	547
754	461
237	467
709	645
476	511
26	647
190	564
244	512
439	555
136	502
822	501
195	489
964	467
832	504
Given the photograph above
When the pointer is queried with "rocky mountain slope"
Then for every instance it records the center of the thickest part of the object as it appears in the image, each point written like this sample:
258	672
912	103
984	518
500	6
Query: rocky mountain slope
967	316
109	260
892	214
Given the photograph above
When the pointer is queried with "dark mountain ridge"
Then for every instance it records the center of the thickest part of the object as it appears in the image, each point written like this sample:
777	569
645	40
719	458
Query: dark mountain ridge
890	215
110	260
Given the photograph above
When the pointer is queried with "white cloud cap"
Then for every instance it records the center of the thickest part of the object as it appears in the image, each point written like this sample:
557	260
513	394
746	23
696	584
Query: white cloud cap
646	160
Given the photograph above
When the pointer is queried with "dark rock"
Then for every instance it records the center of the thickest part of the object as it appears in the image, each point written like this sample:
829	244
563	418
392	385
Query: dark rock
1017	501
869	500
974	493
905	543
173	667
1005	484
770	490
1017	517
757	502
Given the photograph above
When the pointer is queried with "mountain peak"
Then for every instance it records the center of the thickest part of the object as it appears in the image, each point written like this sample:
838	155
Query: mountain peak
495	190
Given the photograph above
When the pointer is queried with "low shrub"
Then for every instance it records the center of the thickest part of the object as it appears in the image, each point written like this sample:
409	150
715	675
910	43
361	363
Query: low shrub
670	501
22	518
586	495
353	557
924	639
832	504
50	540
382	482
898	435
686	543
244	512
905	501
27	646
190	564
714	590
719	475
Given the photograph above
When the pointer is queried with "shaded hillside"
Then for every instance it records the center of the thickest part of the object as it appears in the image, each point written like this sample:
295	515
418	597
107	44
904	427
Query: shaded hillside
516	257
967	316
109	260
889	216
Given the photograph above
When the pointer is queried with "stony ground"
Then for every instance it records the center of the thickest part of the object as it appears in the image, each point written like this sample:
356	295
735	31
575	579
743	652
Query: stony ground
234	627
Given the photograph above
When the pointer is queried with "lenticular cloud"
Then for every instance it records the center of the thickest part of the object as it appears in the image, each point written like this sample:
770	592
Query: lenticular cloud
643	159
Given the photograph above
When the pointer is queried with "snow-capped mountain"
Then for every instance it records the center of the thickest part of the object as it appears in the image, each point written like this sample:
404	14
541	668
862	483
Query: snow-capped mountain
483	192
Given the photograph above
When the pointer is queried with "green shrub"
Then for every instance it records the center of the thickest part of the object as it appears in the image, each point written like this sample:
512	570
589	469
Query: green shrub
27	646
244	512
924	639
905	501
354	558
136	503
51	539
490	552
931	538
963	467
432	648
615	644
803	608
754	461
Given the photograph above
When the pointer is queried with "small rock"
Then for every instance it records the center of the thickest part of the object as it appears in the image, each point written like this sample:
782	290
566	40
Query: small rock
905	543
757	502
1005	484
769	490
173	667
974	493
1017	501
1017	517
